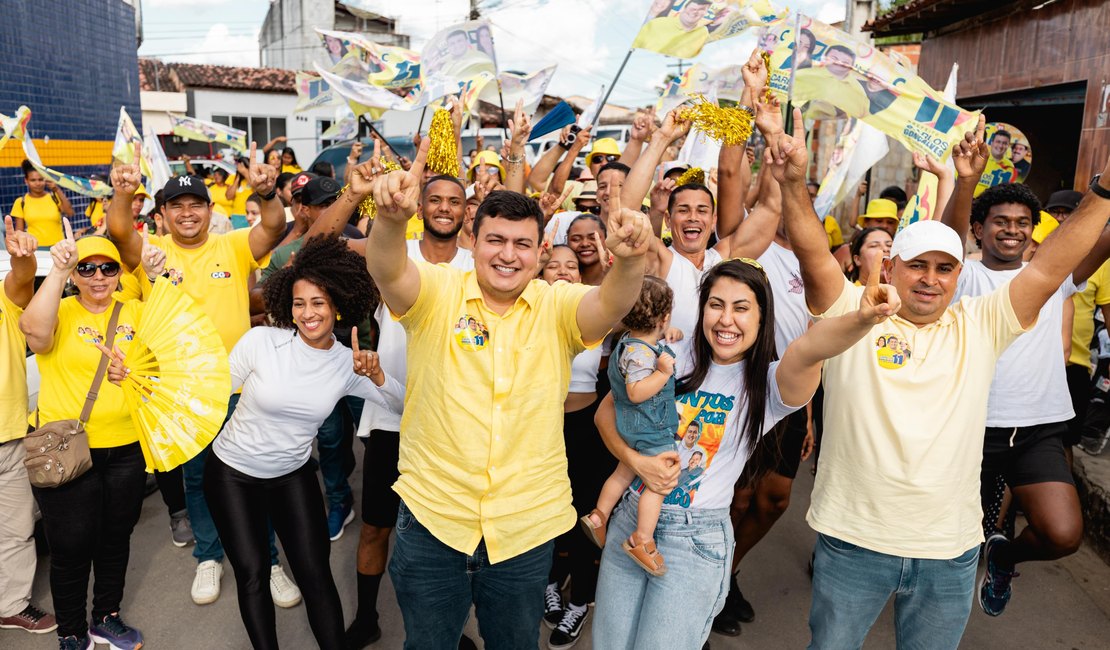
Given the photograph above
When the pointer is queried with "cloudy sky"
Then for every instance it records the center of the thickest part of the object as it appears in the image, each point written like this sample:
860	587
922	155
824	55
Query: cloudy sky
586	38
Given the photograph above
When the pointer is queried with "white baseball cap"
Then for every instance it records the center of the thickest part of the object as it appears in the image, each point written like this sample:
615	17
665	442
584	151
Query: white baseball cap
923	237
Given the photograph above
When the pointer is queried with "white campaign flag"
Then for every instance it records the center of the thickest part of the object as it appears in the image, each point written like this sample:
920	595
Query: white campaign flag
859	147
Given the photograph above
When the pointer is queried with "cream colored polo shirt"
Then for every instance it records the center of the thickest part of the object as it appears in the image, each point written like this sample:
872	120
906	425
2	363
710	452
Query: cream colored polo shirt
905	411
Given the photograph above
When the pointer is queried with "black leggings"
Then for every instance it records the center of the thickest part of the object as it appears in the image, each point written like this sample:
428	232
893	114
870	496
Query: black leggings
242	507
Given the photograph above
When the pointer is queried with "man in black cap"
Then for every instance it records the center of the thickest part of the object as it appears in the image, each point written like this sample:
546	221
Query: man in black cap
214	270
1062	203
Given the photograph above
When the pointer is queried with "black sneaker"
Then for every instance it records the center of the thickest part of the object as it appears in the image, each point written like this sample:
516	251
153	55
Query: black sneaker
362	634
994	591
553	605
82	642
566	633
744	610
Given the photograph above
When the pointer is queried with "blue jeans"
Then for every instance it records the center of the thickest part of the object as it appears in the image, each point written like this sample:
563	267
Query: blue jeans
332	445
436	585
851	585
674	611
207	546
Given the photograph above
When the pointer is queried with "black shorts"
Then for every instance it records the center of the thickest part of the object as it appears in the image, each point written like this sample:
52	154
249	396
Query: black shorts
1079	386
379	473
781	449
1036	454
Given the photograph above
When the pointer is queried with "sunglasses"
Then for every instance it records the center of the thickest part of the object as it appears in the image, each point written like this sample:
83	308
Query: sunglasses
593	209
88	269
608	158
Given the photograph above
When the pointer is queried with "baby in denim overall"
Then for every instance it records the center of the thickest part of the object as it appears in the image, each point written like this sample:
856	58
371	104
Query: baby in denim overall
643	388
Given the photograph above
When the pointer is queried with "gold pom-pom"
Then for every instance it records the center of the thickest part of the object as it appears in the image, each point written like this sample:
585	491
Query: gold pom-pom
443	155
766	56
367	207
692	175
729	126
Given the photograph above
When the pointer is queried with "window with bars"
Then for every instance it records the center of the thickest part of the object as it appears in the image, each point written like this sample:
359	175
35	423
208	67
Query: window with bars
259	129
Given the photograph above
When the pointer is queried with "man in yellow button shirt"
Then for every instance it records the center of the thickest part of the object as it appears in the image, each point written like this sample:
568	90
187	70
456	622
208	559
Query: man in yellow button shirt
483	468
17	523
213	269
41	209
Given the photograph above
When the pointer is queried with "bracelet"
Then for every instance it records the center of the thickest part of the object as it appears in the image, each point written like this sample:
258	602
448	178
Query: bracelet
514	161
564	145
1098	189
747	109
270	196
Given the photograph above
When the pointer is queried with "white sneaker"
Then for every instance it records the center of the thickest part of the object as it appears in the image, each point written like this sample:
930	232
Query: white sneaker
206	584
282	590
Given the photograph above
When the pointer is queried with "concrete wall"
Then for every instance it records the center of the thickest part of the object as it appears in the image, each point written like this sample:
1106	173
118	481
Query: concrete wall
73	63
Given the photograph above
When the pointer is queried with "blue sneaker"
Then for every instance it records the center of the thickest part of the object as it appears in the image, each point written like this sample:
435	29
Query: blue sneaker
118	635
338	519
994	593
82	642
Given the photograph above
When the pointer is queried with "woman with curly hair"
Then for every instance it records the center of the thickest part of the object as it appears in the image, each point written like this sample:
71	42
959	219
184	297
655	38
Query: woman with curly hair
292	375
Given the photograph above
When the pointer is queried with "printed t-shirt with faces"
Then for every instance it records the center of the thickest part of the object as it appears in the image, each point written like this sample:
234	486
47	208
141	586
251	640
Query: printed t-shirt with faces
711	420
68	368
393	348
13	376
215	277
1030	386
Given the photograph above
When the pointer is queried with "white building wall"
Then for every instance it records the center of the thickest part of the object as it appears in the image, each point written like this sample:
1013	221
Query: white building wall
300	128
156	105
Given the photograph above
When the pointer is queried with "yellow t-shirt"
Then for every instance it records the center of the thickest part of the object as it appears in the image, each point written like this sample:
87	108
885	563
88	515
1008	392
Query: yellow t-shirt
13	377
1096	294
414	229
95	213
67	372
667	35
239	205
215	277
832	230
482	453
291	169
42	216
219	197
891	480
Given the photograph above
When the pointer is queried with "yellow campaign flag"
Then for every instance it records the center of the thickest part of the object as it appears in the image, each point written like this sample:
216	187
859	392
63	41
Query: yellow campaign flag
681	28
383	65
127	136
16	127
191	128
834	67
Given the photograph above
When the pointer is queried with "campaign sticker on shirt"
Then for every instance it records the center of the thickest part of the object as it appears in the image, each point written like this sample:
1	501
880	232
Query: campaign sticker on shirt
471	333
90	335
176	277
892	351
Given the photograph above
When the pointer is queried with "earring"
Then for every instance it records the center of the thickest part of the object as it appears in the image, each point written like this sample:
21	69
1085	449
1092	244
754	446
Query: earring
338	317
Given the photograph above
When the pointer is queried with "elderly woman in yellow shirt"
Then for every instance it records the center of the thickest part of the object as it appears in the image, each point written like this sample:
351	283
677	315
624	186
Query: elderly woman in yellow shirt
89	520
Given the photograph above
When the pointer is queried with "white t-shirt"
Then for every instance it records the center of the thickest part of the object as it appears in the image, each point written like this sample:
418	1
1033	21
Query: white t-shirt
393	348
1030	386
289	389
583	371
685	279
713	456
785	275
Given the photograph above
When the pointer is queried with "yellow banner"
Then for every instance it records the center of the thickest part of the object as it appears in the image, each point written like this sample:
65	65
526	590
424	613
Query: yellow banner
681	28
834	67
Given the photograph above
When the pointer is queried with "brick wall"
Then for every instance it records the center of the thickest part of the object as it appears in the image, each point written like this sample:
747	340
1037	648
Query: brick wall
73	63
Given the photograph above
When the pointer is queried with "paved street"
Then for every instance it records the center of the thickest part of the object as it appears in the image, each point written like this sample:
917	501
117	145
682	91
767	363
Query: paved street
1056	605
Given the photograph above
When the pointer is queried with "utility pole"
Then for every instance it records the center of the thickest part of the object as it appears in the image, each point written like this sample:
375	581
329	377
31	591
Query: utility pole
474	13
681	65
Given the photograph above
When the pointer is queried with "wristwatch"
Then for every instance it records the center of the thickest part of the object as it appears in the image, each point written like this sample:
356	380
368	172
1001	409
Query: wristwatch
1098	189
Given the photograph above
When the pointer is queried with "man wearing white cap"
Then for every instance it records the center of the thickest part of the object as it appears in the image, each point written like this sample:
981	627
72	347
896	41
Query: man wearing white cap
896	499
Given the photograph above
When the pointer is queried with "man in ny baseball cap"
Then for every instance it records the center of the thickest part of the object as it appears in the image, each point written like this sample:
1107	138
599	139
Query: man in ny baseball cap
185	186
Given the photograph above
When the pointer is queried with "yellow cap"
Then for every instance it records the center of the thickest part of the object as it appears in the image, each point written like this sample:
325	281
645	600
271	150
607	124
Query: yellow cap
141	191
879	209
490	158
603	147
95	245
1045	227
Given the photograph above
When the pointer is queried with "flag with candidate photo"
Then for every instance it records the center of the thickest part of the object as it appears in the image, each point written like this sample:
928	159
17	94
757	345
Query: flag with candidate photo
313	92
515	87
724	83
16	127
681	28
454	56
127	137
387	66
191	128
811	61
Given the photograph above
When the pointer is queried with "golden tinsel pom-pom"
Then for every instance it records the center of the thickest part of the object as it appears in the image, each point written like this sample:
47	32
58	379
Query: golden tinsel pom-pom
692	175
767	66
443	157
729	126
366	207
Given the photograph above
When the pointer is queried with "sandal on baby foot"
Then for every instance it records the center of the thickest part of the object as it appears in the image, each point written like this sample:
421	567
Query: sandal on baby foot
646	555
596	532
